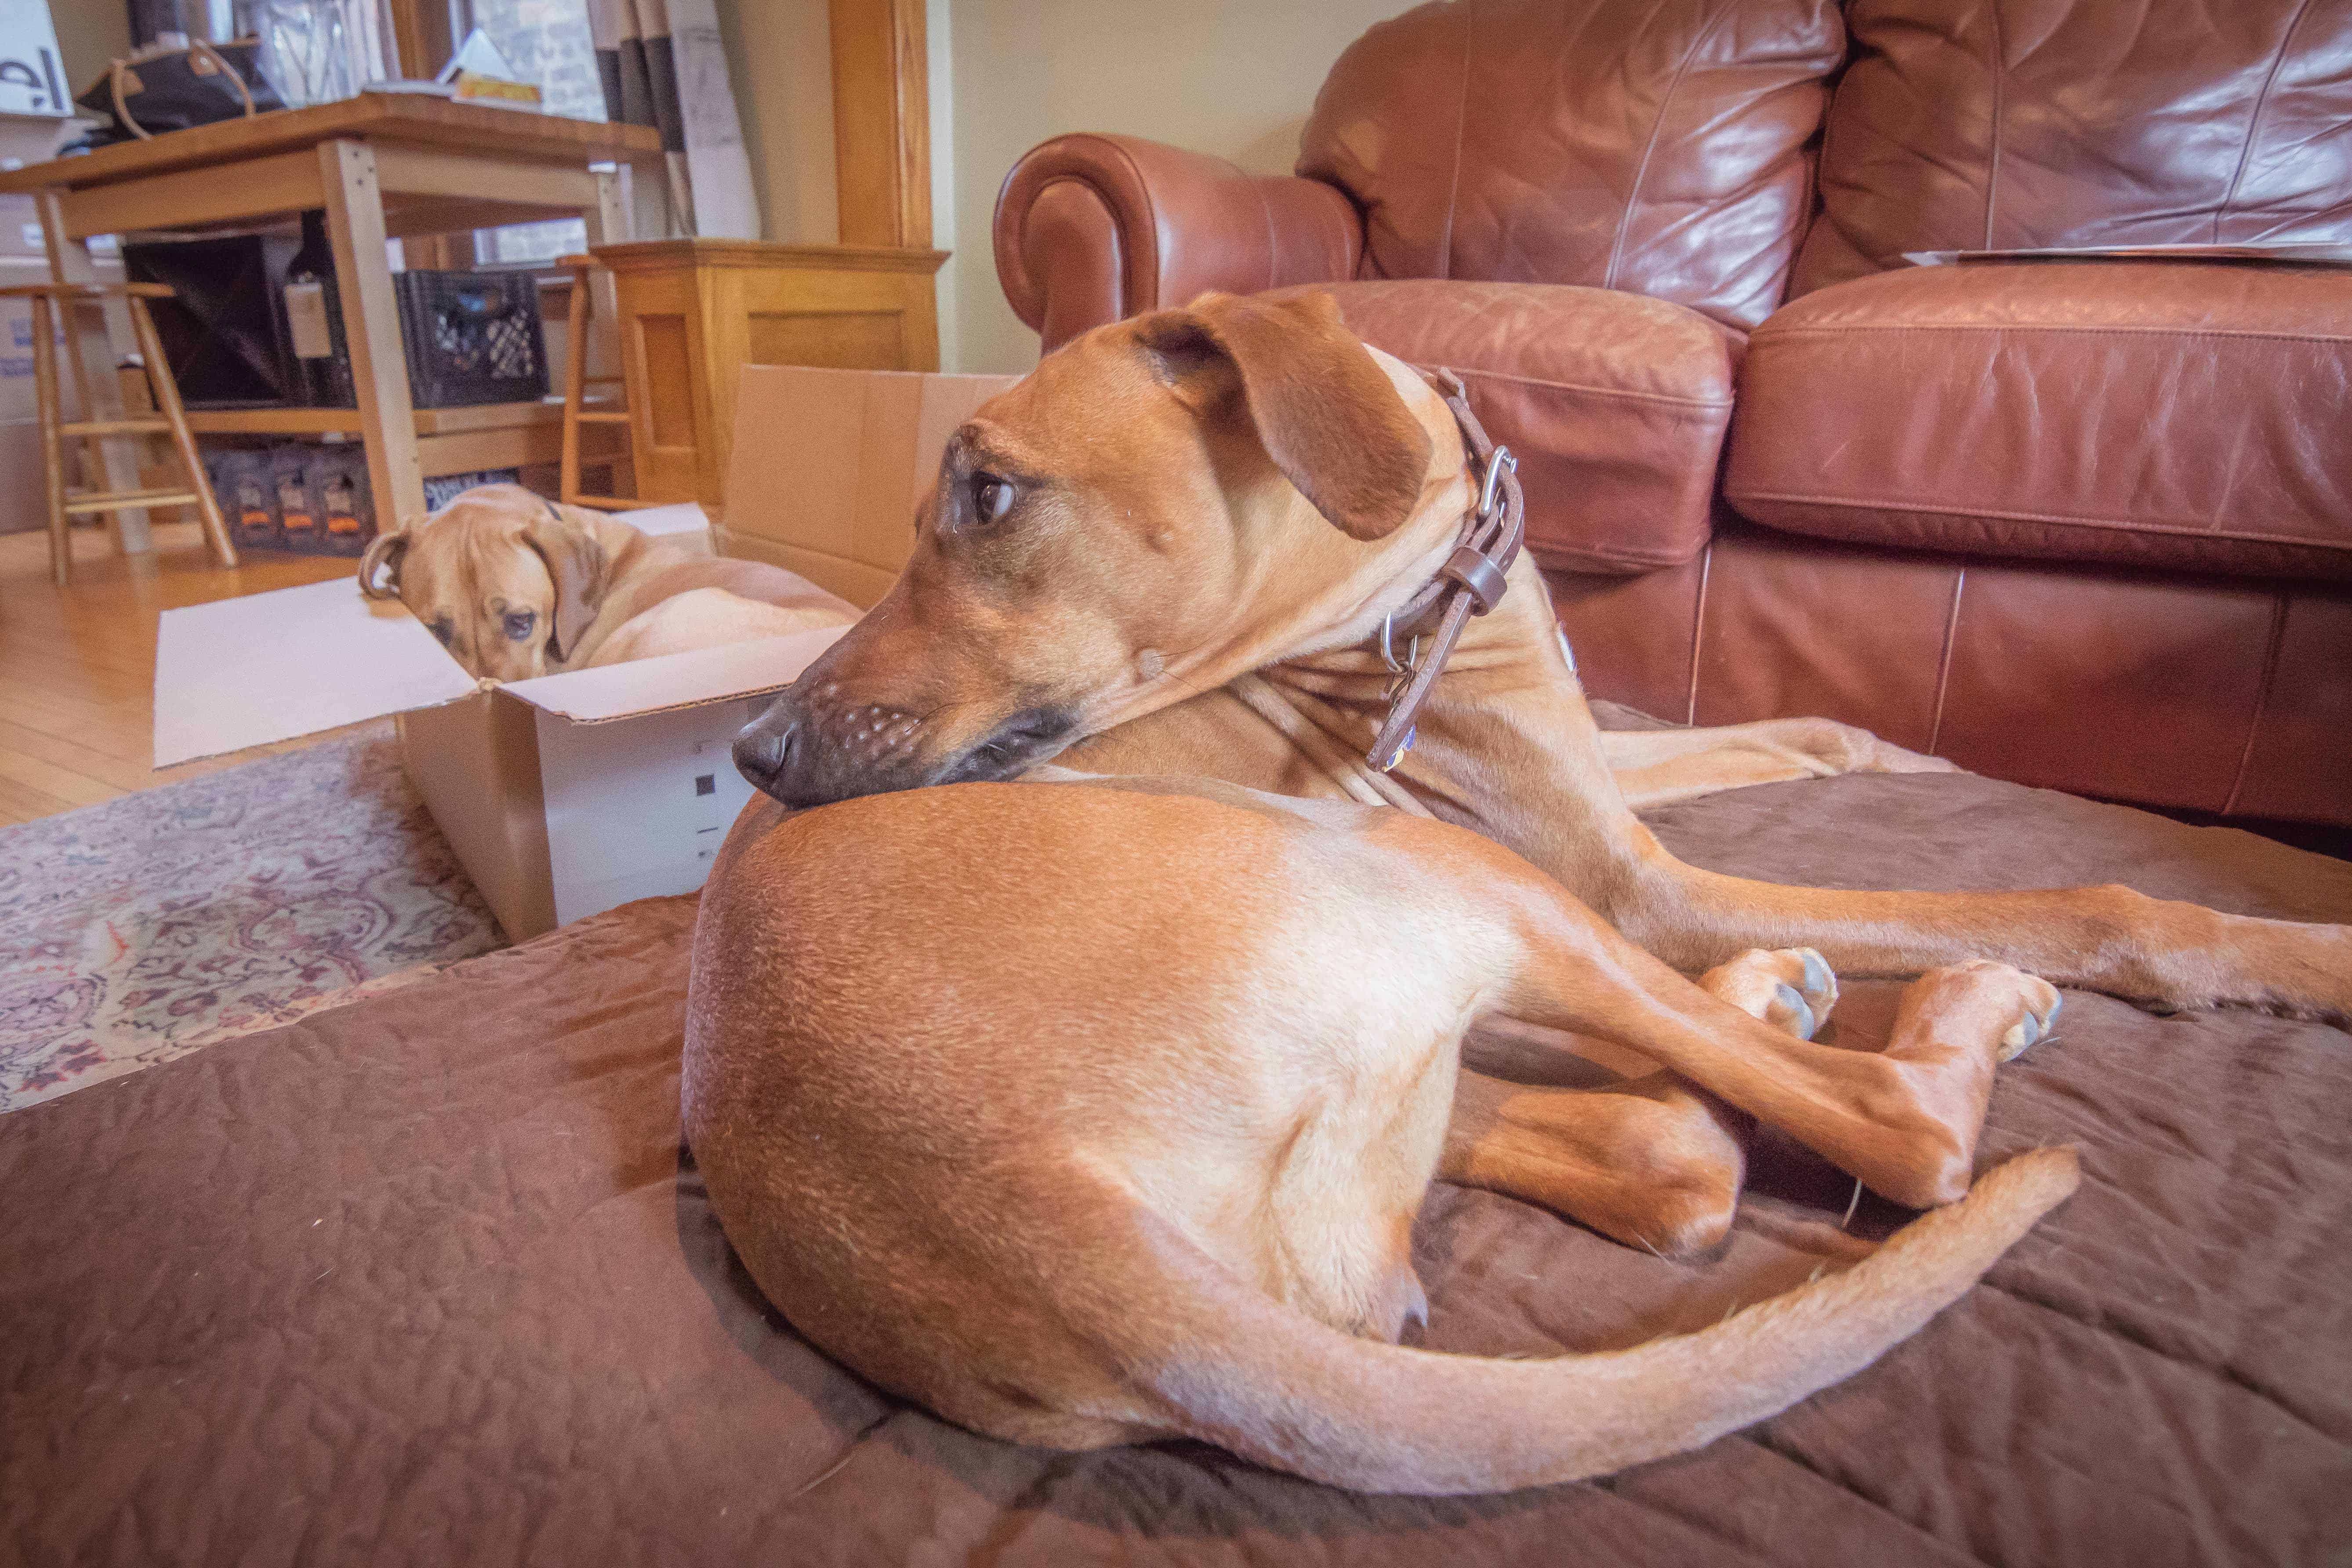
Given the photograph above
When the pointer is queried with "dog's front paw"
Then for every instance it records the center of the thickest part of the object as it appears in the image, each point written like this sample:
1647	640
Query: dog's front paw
2032	1002
1791	988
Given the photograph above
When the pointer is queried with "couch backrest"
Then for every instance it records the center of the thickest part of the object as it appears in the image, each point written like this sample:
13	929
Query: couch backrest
1660	146
1999	124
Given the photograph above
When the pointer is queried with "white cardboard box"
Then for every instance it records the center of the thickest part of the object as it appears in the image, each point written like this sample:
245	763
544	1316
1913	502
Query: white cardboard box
562	796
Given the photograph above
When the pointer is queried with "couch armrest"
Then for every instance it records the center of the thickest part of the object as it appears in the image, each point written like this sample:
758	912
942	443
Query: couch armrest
1092	228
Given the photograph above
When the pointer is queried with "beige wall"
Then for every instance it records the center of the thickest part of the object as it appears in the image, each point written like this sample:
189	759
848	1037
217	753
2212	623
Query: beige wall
1235	77
1228	76
89	34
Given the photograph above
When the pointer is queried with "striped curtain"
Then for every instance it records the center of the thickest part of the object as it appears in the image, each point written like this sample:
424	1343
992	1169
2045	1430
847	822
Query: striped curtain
662	65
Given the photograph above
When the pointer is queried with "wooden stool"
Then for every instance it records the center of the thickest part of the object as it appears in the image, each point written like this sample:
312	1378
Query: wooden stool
49	300
577	410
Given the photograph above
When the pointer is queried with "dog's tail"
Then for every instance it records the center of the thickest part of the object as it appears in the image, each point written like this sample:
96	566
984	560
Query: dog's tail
1269	1383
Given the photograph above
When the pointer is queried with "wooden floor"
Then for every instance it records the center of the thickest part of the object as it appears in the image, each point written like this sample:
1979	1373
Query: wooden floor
77	665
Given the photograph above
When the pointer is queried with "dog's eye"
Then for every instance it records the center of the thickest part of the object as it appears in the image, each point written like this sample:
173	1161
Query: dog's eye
518	625
444	631
992	498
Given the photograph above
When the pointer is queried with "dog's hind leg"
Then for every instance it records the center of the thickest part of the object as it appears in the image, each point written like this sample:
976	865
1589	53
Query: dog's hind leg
1649	1161
2106	938
1653	767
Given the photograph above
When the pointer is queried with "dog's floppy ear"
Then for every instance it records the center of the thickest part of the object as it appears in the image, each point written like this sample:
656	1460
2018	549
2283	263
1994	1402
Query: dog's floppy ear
1325	411
576	561
379	568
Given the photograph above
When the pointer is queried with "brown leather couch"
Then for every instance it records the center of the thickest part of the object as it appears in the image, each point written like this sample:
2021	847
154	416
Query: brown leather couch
2081	525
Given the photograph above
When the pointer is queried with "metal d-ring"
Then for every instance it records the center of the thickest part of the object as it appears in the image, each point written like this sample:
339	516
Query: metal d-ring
1388	648
1502	459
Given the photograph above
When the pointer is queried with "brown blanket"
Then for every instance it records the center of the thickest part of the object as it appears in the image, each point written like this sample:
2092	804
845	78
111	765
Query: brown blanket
427	1280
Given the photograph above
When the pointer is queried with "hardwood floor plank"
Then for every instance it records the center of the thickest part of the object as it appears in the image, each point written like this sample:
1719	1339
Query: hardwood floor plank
29	804
77	665
78	789
88	762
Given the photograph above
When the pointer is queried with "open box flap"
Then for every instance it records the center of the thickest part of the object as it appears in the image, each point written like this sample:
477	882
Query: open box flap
669	523
270	666
677	679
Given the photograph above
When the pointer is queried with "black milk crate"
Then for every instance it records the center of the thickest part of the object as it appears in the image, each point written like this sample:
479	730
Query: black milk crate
472	337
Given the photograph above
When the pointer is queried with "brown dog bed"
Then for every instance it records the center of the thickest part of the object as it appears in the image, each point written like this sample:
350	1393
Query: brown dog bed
426	1278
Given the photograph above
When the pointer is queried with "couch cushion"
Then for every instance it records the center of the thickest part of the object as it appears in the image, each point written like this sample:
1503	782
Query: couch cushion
1663	147
2043	123
2190	416
1615	404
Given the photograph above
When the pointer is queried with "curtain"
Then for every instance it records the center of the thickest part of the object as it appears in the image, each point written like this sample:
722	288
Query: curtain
662	65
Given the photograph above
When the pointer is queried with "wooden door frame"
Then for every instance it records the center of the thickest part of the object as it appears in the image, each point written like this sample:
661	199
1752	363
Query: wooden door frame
882	122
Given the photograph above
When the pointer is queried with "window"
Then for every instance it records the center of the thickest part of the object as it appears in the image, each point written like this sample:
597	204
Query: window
546	43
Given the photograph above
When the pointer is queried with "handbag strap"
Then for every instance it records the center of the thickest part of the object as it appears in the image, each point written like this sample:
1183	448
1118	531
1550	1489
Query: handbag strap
196	47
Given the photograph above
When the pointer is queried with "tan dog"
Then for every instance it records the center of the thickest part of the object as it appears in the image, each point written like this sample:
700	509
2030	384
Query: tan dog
515	586
1170	518
1089	1115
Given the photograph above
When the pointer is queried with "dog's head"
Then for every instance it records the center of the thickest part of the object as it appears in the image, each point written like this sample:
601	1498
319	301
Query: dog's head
1164	504
507	581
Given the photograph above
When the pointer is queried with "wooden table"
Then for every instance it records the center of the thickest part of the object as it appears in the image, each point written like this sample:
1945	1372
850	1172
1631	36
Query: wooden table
384	166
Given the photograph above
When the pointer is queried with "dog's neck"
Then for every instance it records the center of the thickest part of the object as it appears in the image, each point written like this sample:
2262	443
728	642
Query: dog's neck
1506	743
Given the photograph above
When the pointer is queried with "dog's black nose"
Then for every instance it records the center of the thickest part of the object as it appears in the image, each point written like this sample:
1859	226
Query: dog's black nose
761	752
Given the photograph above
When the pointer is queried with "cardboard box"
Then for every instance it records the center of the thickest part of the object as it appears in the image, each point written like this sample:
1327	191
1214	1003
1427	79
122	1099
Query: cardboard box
562	796
831	465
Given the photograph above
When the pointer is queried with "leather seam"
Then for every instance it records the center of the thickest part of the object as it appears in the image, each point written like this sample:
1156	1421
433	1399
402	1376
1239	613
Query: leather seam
2262	700
2117	525
1698	632
1559	557
1944	665
1766	336
2254	121
1461	132
1657	129
2000	64
1714	404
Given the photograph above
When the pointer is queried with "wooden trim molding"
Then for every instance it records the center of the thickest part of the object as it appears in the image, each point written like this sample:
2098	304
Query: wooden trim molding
644	254
421	36
882	123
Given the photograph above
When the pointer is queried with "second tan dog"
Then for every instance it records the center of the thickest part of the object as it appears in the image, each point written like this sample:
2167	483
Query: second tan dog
515	586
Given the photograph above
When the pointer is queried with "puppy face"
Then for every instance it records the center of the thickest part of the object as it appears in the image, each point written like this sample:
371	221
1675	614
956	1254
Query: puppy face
504	580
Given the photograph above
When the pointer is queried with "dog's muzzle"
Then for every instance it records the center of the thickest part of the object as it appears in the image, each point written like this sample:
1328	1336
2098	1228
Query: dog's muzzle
804	755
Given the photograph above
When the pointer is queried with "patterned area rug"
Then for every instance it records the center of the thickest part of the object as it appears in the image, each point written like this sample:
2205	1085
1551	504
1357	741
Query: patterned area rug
153	925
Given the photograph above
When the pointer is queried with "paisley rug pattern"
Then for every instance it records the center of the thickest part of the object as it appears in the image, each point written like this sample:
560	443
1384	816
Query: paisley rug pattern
148	927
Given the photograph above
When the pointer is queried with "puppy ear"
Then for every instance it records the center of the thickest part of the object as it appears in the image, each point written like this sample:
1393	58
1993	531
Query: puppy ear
1325	411
576	561
379	568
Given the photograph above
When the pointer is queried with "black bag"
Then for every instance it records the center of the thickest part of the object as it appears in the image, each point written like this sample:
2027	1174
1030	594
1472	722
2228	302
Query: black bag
172	88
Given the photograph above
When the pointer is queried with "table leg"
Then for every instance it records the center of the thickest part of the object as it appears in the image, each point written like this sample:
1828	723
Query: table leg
116	467
608	222
372	330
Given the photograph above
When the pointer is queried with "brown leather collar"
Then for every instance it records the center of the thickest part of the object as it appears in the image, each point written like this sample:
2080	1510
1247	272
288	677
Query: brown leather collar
1471	582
